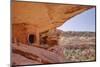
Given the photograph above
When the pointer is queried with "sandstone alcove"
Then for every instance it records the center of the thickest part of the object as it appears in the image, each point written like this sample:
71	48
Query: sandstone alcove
39	18
35	24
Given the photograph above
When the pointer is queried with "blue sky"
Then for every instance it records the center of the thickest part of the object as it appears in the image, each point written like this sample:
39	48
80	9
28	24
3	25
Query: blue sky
82	22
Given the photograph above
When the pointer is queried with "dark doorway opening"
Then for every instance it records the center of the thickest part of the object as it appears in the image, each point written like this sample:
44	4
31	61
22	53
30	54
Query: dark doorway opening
31	38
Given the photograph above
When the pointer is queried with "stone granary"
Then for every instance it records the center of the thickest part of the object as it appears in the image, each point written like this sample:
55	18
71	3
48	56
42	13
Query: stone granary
35	23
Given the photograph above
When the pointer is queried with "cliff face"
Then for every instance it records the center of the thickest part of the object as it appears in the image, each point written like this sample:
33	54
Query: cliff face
44	15
31	20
